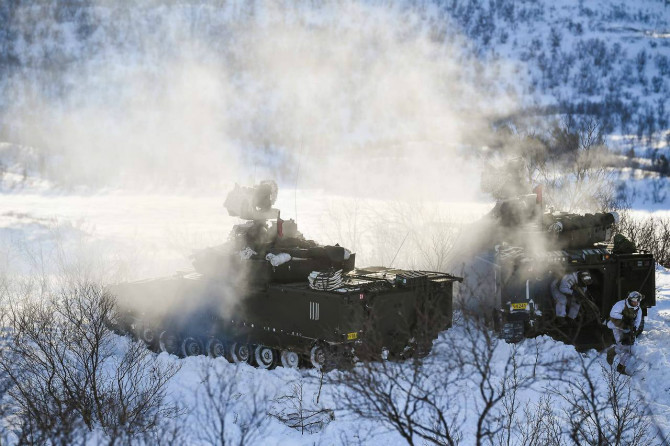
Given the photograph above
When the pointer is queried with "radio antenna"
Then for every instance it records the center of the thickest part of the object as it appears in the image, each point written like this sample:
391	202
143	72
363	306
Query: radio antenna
399	248
297	176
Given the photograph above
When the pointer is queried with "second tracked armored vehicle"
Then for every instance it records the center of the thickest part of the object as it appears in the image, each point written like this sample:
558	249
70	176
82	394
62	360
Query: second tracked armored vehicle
270	296
524	251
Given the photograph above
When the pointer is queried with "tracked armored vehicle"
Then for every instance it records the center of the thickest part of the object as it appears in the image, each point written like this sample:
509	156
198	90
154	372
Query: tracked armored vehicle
531	249
269	296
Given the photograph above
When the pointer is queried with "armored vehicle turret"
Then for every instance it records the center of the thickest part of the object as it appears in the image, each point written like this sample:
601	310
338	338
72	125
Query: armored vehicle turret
270	296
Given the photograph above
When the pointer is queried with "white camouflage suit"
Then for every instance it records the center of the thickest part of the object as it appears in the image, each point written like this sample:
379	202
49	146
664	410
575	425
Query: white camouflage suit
562	291
616	325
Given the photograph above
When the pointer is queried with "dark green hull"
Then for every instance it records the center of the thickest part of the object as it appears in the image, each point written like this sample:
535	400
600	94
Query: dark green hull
374	310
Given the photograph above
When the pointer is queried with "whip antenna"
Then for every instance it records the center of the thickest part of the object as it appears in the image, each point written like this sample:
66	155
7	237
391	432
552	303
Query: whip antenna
295	189
399	248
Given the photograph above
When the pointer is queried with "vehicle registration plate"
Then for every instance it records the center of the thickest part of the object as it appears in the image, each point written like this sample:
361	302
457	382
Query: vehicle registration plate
520	306
351	336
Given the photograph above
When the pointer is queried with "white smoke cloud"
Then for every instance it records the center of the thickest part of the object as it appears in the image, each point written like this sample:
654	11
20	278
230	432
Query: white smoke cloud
367	97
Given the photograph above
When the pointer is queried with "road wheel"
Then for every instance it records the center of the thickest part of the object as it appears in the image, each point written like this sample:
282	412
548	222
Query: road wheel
240	353
265	357
150	338
168	343
216	348
148	335
289	359
191	347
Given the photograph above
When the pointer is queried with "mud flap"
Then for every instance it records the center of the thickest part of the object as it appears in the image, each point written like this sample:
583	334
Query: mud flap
513	332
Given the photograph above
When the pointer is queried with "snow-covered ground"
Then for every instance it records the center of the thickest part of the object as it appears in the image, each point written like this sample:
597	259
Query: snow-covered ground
653	351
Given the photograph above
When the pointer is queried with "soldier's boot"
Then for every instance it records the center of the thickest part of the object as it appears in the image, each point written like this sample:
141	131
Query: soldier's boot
621	369
611	353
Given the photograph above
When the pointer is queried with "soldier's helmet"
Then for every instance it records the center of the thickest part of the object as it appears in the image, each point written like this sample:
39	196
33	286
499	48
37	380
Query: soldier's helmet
585	278
634	298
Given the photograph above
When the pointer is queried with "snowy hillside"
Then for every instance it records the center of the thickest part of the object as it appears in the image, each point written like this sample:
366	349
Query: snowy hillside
240	85
603	57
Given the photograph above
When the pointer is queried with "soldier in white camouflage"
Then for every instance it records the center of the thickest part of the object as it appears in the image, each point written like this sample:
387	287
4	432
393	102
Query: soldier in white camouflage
624	321
568	292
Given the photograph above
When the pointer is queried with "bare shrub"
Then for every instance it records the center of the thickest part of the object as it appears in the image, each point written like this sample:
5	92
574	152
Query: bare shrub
231	414
650	233
540	425
405	397
498	371
5	380
600	405
67	380
414	235
531	424
363	434
347	221
135	404
569	159
425	400
298	412
433	234
576	177
584	402
414	398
